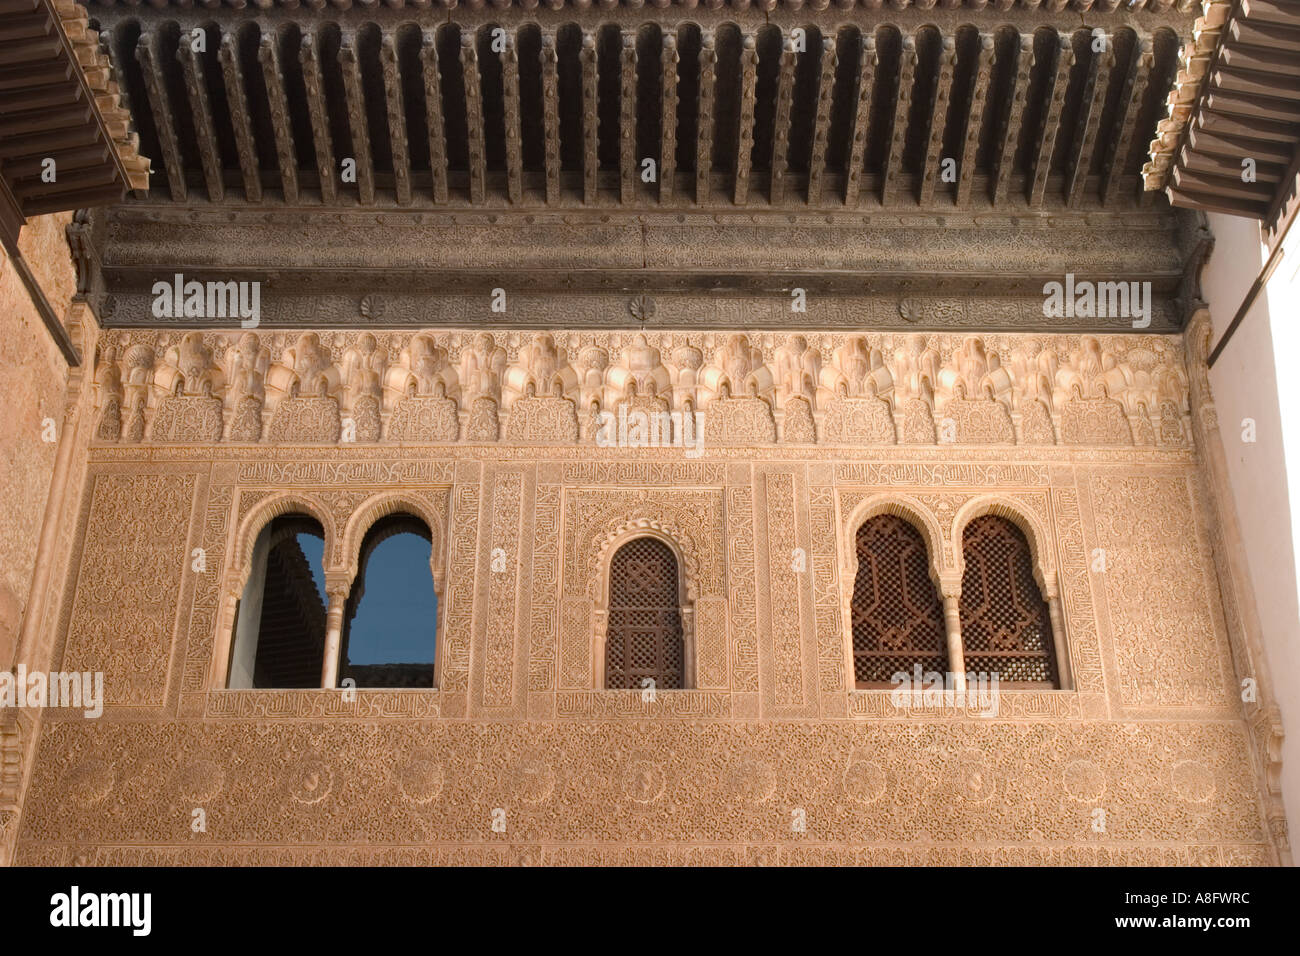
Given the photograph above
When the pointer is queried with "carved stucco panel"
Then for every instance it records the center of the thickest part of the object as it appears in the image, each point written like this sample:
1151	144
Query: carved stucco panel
1019	786
128	589
1168	649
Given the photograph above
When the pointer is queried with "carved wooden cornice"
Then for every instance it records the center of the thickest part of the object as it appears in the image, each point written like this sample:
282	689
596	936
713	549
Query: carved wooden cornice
522	110
1230	141
579	269
66	137
817	6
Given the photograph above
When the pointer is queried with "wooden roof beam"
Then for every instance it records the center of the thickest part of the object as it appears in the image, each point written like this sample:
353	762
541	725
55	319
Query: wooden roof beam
1229	186
898	128
590	159
237	101
551	114
704	139
474	118
668	60
514	142
1130	100
938	119
322	145
822	119
780	158
433	114
866	79
627	164
204	132
156	90
1063	59
396	113
1237	147
1215	203
1093	104
975	117
745	133
268	54
356	112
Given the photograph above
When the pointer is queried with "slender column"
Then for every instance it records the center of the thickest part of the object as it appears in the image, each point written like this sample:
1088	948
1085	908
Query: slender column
338	596
1053	596
80	383
951	590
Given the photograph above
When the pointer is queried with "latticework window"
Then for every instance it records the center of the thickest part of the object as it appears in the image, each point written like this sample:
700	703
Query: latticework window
1005	624
897	616
645	621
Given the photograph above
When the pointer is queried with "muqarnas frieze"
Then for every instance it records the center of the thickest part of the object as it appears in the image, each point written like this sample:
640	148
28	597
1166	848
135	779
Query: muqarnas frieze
556	388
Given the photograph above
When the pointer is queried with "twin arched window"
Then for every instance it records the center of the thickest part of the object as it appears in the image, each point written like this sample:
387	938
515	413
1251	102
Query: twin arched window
387	633
897	616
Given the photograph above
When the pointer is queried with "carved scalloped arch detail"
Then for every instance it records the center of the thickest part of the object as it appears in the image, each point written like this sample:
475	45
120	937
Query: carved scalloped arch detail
901	506
267	511
670	534
387	503
1022	516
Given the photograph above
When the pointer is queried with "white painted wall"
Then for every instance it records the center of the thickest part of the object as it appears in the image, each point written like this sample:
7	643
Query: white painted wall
1253	379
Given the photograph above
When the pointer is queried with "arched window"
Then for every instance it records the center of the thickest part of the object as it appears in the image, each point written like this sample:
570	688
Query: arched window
645	619
390	621
896	614
279	639
1006	627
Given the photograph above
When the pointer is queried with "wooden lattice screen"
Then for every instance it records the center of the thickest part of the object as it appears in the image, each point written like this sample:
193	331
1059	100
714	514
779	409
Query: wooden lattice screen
1005	624
645	621
897	615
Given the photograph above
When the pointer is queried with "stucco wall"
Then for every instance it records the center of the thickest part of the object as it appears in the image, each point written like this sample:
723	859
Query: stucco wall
33	375
1150	734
